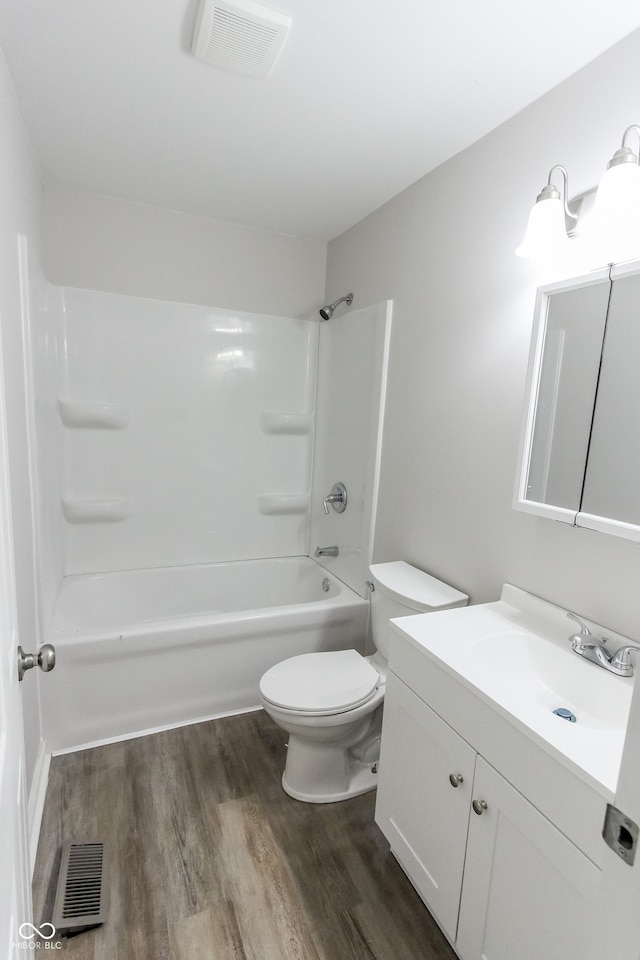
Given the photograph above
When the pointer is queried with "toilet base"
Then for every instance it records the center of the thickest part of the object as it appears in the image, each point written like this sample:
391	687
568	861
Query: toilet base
362	779
327	771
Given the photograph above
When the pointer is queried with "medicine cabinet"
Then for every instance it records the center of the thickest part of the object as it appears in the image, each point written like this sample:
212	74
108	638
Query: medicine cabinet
580	449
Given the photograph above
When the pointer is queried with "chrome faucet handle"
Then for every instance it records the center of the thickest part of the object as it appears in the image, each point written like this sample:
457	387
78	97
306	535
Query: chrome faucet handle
621	661
588	646
584	629
579	641
337	498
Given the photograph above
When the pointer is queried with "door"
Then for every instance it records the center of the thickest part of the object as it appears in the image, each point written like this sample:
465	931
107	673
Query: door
528	892
15	892
424	793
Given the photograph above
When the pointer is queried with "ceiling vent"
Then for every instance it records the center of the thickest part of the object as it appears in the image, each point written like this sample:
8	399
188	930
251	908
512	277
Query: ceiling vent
241	36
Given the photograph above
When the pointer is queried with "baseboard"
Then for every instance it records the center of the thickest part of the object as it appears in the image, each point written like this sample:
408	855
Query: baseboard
151	730
35	803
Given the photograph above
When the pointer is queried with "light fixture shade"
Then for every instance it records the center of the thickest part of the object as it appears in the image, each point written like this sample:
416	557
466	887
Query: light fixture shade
613	231
546	234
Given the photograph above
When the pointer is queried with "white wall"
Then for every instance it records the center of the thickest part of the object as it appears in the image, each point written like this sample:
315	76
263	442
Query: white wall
123	247
443	250
20	192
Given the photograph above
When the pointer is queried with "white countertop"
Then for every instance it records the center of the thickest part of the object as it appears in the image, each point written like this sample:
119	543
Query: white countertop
515	654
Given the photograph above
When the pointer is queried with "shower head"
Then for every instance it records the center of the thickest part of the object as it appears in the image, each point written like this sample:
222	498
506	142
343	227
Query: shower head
327	312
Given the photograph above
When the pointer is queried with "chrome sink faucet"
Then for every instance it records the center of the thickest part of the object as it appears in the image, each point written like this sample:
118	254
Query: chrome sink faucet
595	649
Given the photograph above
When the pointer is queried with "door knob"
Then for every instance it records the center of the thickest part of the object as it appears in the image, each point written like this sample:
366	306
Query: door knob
45	658
455	779
479	806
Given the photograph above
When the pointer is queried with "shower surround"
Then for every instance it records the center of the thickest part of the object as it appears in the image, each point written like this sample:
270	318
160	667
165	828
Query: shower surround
187	433
192	444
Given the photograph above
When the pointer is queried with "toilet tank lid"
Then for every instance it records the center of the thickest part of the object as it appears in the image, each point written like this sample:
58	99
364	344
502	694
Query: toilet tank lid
414	588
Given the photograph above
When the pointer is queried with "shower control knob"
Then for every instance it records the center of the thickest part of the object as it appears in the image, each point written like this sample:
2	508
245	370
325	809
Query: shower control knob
45	658
337	498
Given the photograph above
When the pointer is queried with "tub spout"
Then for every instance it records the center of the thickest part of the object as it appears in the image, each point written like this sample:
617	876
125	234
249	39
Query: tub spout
326	552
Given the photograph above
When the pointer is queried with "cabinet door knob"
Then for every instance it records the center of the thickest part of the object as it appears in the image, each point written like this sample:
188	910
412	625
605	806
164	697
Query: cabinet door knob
455	779
479	806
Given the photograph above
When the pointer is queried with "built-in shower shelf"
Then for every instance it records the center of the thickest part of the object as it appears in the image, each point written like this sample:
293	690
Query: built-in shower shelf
275	504
291	423
101	416
89	510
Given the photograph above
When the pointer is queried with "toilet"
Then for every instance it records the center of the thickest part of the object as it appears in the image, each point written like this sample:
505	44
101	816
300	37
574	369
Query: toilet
331	703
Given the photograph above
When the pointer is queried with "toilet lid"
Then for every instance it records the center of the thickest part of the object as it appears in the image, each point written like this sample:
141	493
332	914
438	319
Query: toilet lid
320	682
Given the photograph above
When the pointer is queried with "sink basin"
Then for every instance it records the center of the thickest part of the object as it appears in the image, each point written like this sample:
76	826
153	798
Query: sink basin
552	677
516	655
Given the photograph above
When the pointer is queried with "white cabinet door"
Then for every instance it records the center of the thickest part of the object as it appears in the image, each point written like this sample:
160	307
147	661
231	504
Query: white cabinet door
422	815
528	892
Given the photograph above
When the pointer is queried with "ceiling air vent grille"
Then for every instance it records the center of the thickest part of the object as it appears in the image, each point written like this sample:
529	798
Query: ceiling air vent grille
241	36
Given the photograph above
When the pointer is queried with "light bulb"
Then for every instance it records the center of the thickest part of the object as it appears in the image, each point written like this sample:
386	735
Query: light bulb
614	226
546	234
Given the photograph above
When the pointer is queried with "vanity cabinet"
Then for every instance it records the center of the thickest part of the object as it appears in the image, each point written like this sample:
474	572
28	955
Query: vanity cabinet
422	815
500	878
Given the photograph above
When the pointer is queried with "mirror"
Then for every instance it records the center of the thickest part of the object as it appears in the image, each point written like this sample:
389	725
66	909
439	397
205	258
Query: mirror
580	447
612	481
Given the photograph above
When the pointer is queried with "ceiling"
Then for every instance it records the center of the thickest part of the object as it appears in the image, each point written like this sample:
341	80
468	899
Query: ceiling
367	97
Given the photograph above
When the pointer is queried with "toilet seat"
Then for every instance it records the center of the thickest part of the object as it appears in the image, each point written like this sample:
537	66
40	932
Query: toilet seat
318	684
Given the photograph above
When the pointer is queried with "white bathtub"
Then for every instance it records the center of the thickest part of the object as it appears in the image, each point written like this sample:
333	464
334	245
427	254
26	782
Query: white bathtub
146	649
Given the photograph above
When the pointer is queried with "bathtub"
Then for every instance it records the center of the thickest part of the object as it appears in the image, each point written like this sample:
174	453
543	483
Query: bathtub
146	649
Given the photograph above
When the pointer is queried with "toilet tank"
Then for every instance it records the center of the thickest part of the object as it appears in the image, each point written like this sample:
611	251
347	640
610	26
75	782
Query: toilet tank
401	590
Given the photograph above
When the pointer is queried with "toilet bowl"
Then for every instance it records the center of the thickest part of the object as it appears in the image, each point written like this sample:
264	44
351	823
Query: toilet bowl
330	703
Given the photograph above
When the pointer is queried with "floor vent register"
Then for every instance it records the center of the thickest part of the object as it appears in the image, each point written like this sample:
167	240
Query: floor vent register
81	893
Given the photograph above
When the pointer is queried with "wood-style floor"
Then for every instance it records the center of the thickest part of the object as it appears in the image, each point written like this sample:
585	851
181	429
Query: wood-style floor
211	860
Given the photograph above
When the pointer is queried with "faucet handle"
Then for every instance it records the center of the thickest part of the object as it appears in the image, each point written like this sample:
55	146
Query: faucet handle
621	662
337	498
583	641
584	629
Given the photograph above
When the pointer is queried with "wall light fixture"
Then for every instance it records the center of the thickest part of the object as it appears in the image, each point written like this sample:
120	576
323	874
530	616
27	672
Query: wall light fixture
546	233
609	231
613	230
